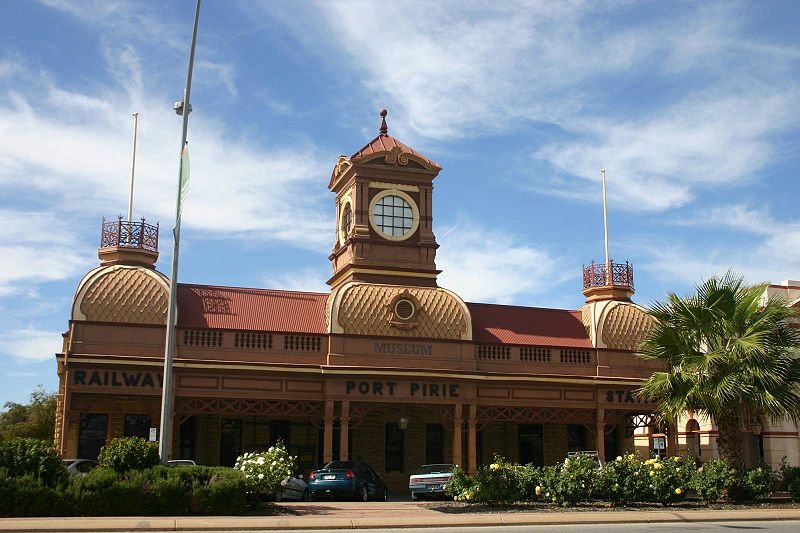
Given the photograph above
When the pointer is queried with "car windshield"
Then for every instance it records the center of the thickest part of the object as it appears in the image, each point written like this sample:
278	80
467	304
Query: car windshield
340	465
435	469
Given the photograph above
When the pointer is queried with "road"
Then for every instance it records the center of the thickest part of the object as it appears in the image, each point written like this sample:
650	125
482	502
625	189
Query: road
709	527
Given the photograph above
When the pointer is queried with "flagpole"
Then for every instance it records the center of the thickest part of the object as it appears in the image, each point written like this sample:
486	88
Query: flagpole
133	167
605	227
182	108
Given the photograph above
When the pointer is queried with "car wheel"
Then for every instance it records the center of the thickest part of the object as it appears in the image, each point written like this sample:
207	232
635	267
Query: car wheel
279	496
386	495
364	495
414	497
306	496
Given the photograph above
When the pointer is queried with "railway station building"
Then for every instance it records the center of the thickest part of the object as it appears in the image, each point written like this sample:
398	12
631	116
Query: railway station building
386	366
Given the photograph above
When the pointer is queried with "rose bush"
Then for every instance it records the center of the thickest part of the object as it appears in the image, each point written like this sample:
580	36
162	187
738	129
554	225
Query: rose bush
666	481
264	471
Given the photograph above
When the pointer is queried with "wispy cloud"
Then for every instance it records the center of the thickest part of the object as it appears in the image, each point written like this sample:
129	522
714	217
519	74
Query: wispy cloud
476	69
764	248
30	344
492	266
305	279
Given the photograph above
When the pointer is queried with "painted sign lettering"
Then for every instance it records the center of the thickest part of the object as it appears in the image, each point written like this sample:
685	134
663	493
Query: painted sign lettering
413	389
403	349
114	378
622	396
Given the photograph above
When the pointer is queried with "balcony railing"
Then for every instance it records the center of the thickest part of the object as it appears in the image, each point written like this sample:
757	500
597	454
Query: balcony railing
608	274
128	234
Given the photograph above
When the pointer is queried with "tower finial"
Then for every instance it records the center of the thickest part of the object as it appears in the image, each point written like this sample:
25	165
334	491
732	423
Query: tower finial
384	128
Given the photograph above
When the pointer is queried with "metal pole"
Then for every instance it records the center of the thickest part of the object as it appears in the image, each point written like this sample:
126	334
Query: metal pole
605	227
166	392
133	166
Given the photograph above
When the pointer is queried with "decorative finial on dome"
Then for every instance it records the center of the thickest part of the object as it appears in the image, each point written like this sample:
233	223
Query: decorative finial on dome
384	128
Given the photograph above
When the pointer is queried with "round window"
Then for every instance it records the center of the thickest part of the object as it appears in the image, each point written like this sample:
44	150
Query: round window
404	309
393	216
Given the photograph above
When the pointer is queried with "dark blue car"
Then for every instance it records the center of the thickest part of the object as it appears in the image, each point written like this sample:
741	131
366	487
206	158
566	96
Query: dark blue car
347	479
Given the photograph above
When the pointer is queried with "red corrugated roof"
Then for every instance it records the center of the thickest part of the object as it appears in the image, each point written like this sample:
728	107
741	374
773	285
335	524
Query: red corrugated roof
385	142
205	306
510	324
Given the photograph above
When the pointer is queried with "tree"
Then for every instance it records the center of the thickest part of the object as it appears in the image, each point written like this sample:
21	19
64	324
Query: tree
727	353
36	419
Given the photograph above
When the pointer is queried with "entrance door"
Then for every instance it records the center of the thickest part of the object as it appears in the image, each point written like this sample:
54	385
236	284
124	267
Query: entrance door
531	444
230	442
91	435
434	444
187	438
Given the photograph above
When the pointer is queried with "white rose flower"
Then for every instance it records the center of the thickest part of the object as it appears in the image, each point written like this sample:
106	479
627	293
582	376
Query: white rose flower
261	476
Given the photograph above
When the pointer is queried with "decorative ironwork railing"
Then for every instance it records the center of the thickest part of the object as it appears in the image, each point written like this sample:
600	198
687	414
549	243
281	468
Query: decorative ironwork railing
605	274
129	234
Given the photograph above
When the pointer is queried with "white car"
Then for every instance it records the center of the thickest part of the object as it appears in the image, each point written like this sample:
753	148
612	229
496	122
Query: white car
293	488
429	480
181	462
79	466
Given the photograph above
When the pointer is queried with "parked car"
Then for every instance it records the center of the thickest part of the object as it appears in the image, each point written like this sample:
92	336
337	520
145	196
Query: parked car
79	466
429	480
181	462
294	488
347	479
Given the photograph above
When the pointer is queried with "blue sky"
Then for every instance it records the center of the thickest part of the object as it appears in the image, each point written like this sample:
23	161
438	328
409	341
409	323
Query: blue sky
692	107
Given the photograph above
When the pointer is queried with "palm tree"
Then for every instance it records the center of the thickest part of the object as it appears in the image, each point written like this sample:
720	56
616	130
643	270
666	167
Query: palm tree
727	353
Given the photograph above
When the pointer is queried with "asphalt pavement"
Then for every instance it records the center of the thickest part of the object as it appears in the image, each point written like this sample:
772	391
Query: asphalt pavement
397	515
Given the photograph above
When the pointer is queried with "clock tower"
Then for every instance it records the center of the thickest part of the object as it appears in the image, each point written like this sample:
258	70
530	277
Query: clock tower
384	215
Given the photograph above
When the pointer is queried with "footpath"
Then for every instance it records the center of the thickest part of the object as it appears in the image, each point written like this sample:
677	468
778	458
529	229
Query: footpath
382	515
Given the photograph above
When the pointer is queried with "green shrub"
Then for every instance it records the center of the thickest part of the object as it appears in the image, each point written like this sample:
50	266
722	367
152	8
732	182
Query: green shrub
499	483
460	485
571	482
264	471
623	480
753	485
790	480
224	494
33	498
713	480
529	477
128	453
104	492
667	480
27	456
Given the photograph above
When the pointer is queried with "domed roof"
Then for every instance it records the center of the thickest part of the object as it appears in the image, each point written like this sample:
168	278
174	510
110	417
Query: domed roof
368	309
122	293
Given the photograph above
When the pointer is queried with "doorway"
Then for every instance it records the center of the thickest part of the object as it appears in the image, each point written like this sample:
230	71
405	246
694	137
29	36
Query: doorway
531	444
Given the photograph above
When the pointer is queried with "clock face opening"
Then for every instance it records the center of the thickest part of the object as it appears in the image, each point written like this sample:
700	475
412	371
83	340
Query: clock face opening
347	221
393	216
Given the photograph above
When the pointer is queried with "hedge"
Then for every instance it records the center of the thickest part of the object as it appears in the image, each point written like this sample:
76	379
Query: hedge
158	491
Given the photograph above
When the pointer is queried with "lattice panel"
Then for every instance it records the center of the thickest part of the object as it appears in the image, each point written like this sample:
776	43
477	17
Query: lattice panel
225	406
302	343
128	295
252	340
364	310
493	352
535	355
625	327
576	357
488	414
205	338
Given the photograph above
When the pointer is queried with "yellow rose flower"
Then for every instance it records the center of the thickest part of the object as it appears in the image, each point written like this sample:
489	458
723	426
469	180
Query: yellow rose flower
538	490
678	491
652	473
